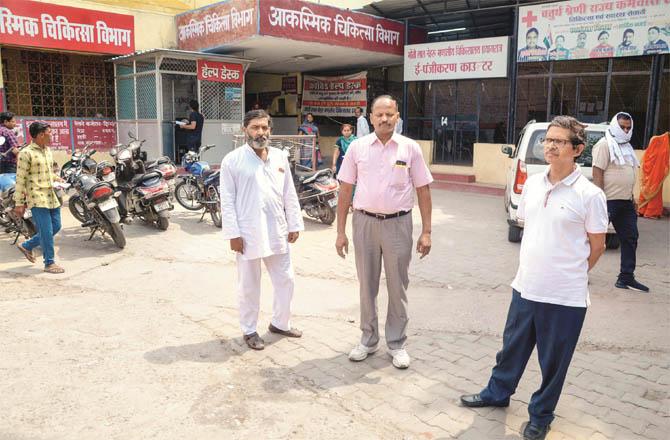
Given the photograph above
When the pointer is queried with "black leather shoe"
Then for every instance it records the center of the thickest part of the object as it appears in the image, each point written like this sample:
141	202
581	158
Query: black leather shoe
291	333
534	432
475	401
631	284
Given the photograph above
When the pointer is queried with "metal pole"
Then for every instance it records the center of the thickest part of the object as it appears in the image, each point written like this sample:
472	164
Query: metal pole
405	85
653	101
513	71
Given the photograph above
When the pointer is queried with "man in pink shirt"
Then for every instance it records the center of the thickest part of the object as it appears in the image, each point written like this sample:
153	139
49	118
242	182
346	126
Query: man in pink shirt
386	167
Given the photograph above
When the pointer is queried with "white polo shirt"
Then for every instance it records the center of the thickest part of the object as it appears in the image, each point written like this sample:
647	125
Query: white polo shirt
553	261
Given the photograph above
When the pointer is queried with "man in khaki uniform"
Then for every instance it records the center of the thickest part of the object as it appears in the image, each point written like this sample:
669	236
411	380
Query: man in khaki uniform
614	164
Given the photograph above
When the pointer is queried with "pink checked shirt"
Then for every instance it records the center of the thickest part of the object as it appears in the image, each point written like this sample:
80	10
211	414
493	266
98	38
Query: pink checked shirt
385	175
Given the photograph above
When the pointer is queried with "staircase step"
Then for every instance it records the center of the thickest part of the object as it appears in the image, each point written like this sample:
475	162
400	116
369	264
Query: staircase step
478	188
449	177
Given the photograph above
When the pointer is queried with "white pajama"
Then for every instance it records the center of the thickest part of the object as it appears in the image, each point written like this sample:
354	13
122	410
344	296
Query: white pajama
259	204
249	290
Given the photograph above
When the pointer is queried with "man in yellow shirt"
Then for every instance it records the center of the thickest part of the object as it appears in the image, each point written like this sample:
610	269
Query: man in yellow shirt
35	191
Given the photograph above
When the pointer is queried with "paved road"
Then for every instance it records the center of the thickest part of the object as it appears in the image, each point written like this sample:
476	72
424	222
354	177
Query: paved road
144	343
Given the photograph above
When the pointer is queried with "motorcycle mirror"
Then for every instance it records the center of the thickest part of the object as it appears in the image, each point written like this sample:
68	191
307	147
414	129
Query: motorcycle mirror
112	152
131	135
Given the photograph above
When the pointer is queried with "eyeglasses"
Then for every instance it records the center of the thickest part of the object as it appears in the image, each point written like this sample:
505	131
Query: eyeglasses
548	142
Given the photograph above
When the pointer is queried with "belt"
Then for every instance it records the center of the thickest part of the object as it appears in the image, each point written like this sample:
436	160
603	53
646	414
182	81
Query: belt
386	216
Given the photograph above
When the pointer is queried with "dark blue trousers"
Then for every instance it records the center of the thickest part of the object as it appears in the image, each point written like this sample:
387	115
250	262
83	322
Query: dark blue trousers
624	219
555	330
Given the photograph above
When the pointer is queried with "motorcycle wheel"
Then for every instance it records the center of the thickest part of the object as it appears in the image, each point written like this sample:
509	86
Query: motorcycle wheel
28	229
215	209
78	209
116	232
187	195
329	216
163	223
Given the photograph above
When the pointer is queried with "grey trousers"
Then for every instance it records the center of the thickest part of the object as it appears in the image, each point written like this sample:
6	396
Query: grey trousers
389	240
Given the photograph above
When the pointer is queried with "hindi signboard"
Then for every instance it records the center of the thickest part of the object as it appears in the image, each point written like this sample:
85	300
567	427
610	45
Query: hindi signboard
298	20
334	95
216	25
465	59
61	132
99	134
585	29
220	72
45	25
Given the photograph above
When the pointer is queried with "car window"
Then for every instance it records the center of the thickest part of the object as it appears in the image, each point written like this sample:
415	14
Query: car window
535	151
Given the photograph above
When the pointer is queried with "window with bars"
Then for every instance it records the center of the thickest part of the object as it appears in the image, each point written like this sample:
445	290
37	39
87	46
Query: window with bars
53	84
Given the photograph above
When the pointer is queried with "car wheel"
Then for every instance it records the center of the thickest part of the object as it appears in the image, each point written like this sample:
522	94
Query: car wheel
514	234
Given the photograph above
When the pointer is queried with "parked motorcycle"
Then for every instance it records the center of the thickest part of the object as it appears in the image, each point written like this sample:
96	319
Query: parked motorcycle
144	194
93	201
200	189
317	193
317	190
12	223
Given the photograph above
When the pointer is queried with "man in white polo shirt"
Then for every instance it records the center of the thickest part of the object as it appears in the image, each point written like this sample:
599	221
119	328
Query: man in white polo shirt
565	222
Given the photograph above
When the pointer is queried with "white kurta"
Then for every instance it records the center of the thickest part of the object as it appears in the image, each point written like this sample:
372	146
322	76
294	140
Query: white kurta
259	202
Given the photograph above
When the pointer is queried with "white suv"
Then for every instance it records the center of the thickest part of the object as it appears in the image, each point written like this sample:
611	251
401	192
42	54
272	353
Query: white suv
528	159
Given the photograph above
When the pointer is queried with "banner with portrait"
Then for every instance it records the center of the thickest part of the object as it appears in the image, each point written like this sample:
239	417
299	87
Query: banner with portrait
574	30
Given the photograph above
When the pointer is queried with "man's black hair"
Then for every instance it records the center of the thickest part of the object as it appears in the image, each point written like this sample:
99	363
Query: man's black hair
256	114
6	116
194	105
531	30
36	128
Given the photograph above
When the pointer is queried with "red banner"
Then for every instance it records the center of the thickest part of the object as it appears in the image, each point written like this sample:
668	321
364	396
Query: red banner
220	72
216	25
44	25
61	132
99	134
298	20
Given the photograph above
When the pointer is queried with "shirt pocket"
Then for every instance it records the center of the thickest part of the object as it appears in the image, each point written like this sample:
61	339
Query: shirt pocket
399	176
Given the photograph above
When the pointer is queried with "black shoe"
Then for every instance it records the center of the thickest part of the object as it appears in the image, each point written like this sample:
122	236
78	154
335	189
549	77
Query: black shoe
534	432
475	401
631	284
291	333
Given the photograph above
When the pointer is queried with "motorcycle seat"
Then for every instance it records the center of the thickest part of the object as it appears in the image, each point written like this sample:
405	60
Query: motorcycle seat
207	173
161	160
146	176
312	176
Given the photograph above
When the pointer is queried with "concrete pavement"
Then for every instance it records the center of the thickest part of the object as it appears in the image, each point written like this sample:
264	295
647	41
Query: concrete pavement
144	342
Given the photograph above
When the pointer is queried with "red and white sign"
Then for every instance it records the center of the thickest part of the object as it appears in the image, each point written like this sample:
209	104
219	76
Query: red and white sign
99	134
334	95
61	133
217	25
220	72
464	59
298	20
45	25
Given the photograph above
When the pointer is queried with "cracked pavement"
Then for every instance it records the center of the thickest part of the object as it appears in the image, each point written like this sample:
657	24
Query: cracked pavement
144	343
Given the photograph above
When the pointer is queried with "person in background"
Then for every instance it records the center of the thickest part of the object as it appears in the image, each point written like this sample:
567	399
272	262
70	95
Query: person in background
261	216
309	127
398	126
580	51
627	48
362	127
9	144
565	223
655	168
35	190
655	44
195	123
560	52
341	146
614	165
387	168
603	49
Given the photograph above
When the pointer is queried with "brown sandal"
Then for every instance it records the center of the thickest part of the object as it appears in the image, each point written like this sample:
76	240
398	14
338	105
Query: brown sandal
28	254
254	341
54	268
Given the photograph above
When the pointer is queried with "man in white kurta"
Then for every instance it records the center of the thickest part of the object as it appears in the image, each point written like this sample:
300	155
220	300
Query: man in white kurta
261	216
